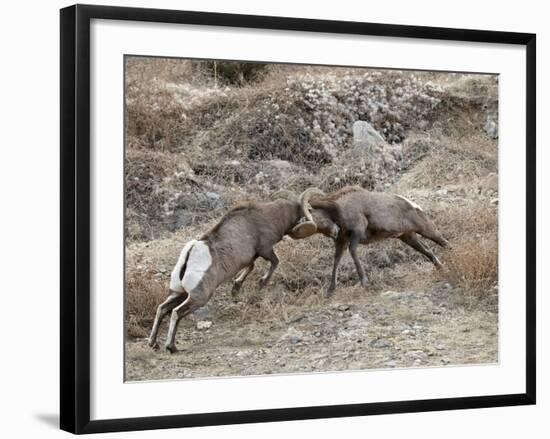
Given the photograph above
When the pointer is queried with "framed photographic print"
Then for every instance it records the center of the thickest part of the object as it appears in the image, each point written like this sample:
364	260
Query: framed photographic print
285	218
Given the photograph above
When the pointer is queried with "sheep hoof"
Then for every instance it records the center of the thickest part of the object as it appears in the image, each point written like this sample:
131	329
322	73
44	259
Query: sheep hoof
172	349
155	346
262	283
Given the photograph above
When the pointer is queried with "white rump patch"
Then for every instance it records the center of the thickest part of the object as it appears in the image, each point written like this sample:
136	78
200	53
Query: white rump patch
412	203
198	263
175	281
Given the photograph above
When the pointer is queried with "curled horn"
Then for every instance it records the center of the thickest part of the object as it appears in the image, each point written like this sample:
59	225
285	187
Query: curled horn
308	227
304	201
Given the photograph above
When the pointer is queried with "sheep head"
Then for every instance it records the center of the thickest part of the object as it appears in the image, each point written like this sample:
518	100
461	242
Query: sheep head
307	227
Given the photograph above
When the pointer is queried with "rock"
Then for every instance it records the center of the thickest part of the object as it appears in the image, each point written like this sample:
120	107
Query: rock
416	355
494	201
440	347
489	183
180	218
356	321
391	363
214	200
366	140
442	192
203	325
343	307
380	343
391	294
408	332
203	200
292	335
491	128
259	177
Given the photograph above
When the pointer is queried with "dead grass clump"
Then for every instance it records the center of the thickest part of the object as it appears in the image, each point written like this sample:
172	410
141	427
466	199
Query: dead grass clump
473	266
467	102
478	88
144	293
460	222
165	69
450	161
153	116
165	104
376	172
304	263
235	73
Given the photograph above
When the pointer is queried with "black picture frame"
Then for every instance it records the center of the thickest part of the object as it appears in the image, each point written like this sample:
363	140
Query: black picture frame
75	218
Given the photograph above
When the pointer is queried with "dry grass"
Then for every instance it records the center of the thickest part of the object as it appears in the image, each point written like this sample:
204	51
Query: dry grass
435	161
144	292
462	222
473	266
197	145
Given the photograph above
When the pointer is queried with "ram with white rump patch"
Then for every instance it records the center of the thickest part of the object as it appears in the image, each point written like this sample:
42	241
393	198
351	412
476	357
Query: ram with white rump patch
245	233
362	217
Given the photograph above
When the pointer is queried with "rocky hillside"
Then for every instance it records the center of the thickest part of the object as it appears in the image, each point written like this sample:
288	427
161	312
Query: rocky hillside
203	136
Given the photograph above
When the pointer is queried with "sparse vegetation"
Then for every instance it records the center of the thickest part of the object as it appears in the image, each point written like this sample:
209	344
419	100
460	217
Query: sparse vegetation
145	291
197	143
473	266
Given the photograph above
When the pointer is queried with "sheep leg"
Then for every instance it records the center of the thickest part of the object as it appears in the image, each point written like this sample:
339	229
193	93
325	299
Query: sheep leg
413	241
271	257
354	242
173	300
191	304
340	245
431	233
238	282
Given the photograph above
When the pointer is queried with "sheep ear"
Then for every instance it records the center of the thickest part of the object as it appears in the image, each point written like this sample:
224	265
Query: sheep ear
303	230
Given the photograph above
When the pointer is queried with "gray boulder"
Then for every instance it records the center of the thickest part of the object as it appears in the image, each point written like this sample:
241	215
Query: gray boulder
366	140
491	128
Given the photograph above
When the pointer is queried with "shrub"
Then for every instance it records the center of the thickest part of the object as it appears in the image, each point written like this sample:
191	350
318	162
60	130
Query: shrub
473	265
236	73
144	293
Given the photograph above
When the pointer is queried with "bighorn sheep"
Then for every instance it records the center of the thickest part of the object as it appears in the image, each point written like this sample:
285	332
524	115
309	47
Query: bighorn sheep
245	233
361	217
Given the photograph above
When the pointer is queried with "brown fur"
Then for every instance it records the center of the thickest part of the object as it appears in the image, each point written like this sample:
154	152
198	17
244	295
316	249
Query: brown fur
243	234
364	217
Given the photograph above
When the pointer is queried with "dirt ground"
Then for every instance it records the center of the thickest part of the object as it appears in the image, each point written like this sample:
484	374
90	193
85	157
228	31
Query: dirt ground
390	329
